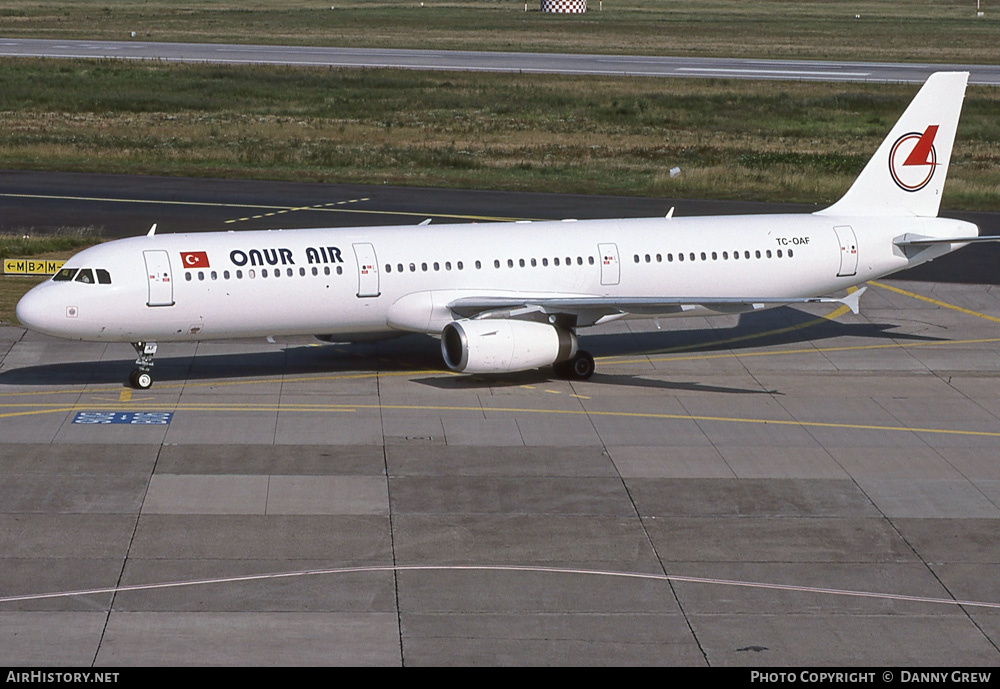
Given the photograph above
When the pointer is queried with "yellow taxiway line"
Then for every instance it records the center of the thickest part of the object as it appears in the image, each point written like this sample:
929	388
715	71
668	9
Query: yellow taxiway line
272	210
336	408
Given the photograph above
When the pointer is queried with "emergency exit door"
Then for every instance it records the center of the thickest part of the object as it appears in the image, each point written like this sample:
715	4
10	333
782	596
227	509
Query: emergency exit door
610	268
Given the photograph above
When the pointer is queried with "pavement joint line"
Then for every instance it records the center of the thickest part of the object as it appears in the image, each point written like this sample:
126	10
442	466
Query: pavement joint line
177	407
936	302
521	569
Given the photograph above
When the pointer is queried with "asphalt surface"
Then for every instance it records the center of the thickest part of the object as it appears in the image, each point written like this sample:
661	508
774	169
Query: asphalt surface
552	63
123	206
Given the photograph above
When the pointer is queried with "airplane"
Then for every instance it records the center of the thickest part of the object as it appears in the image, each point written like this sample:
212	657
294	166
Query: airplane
513	297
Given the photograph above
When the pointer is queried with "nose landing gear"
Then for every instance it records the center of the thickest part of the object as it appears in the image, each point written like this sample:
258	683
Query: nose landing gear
141	378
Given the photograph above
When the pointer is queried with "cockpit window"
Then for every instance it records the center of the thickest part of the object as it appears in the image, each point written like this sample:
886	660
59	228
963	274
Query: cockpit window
64	275
103	276
86	275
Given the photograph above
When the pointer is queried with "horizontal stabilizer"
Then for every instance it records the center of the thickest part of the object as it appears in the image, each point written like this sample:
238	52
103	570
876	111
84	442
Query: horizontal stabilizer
926	241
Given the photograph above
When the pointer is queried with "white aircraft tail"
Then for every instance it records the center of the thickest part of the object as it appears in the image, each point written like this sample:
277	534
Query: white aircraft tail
907	173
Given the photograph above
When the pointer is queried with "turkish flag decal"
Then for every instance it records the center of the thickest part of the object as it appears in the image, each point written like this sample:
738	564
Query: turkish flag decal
194	259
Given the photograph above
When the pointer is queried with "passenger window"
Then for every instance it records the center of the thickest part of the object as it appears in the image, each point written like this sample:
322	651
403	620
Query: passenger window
85	275
64	275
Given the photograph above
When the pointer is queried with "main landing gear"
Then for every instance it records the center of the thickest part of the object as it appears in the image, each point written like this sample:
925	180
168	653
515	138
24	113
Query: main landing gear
580	367
141	378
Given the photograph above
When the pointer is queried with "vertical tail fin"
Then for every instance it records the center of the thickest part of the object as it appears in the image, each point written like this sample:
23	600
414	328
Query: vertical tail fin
907	173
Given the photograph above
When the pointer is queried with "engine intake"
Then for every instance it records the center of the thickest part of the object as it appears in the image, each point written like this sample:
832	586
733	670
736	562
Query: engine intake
502	346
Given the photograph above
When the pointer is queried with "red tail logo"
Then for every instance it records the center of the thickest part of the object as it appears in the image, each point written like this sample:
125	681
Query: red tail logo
913	159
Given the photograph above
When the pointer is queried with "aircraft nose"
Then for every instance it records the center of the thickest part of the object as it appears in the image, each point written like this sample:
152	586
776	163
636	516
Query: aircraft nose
36	311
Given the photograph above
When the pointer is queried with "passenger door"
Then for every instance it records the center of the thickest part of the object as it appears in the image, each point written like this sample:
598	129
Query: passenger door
161	287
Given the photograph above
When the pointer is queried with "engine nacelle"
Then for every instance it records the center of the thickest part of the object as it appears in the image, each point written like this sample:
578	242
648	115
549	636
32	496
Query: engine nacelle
498	345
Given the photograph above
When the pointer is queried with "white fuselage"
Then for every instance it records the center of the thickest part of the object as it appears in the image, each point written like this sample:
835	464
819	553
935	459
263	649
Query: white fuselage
372	282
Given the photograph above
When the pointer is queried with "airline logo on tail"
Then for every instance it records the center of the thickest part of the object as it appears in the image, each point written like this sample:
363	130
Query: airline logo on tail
913	159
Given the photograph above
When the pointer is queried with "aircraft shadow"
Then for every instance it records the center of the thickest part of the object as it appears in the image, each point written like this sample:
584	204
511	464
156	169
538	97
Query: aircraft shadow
770	328
422	353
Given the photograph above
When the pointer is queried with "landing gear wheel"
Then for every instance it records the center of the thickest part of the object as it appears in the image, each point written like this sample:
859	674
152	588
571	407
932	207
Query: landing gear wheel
580	367
140	380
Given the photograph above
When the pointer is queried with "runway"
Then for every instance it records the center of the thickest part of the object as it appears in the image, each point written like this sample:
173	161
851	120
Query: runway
792	487
511	62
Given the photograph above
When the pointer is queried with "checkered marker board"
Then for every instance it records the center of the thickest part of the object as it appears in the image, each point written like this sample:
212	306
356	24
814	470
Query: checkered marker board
131	418
564	6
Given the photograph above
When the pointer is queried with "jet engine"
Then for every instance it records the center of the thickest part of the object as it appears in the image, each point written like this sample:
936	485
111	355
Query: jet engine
498	345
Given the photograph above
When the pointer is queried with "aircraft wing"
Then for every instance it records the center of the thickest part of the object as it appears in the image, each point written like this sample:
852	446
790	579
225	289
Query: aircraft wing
590	310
